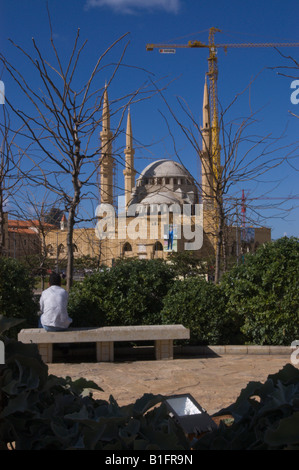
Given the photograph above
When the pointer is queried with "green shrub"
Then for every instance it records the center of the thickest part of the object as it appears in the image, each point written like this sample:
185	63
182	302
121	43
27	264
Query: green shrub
264	293
130	293
86	300
200	306
16	293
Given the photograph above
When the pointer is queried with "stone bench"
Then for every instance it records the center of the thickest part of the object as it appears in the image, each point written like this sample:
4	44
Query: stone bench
162	335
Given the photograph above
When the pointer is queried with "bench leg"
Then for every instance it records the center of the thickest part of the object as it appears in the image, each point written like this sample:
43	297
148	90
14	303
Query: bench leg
164	349
46	352
105	351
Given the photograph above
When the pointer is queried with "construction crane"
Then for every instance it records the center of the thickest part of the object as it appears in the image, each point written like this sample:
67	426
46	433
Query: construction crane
213	75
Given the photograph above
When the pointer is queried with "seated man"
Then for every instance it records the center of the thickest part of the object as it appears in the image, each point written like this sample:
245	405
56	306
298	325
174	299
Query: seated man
53	306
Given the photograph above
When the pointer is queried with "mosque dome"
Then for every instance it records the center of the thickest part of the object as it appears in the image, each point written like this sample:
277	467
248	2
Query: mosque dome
164	182
165	168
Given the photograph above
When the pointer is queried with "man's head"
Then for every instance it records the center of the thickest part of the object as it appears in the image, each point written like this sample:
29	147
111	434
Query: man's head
55	279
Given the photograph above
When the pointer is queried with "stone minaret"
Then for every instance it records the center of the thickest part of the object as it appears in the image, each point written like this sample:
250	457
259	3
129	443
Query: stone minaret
206	160
129	171
106	160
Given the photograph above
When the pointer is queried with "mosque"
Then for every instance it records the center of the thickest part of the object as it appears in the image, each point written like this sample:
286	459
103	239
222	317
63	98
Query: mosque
163	209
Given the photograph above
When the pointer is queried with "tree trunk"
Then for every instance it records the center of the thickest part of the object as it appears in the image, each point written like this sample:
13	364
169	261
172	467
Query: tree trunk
218	258
70	250
70	230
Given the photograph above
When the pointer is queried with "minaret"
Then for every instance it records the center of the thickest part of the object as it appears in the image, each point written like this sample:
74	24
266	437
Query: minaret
129	171
206	160
106	159
63	222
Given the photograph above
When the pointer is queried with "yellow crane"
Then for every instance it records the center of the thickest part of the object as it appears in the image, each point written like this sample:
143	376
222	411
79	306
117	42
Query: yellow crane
213	74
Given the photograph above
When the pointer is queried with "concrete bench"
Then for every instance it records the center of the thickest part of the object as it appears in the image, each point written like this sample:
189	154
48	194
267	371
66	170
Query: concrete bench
162	335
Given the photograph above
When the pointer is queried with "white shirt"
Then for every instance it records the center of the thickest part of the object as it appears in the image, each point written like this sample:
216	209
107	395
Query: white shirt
53	307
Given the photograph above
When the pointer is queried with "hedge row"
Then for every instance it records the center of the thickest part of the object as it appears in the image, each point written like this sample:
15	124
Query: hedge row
256	302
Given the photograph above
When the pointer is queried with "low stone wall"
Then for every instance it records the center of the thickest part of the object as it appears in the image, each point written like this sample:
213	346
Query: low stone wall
232	349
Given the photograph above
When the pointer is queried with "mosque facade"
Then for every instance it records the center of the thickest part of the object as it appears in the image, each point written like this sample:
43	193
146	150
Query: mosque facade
163	208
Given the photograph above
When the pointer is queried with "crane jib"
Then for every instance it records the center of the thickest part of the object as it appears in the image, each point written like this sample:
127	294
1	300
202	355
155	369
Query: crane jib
171	48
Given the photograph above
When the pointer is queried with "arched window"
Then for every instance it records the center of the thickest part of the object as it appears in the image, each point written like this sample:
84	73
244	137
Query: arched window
127	247
50	249
158	246
61	248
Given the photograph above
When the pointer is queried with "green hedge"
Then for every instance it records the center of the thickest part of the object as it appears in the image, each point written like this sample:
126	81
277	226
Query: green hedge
256	302
16	293
264	293
130	293
200	306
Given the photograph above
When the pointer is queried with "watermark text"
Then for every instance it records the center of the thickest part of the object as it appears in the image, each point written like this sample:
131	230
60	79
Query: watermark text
154	222
2	92
2	353
295	93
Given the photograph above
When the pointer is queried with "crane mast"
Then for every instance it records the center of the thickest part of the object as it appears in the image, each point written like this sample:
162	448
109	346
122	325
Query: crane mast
213	76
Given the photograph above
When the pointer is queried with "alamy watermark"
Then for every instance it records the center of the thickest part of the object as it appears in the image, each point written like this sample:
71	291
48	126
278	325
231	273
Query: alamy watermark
295	94
152	222
2	353
2	92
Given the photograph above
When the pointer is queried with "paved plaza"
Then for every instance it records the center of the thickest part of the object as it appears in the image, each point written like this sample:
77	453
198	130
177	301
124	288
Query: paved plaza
215	382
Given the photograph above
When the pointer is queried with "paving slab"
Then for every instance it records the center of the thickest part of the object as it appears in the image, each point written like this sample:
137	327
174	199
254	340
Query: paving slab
215	382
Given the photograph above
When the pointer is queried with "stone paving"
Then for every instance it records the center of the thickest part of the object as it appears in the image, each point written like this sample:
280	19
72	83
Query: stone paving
215	382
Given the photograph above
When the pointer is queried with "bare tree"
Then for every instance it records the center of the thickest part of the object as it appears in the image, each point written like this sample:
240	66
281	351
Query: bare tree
291	70
33	211
246	157
9	170
62	121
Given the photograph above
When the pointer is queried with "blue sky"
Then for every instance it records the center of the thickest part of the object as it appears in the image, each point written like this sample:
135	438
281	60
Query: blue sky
102	22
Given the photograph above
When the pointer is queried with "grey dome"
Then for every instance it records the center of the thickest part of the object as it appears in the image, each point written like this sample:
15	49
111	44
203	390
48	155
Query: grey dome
165	182
164	168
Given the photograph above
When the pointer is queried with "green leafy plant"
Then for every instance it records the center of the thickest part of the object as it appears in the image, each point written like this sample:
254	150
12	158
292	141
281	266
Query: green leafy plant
200	306
130	293
16	293
42	411
186	264
264	293
265	417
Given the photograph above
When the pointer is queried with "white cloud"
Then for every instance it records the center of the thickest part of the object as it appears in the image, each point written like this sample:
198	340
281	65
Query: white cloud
132	6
